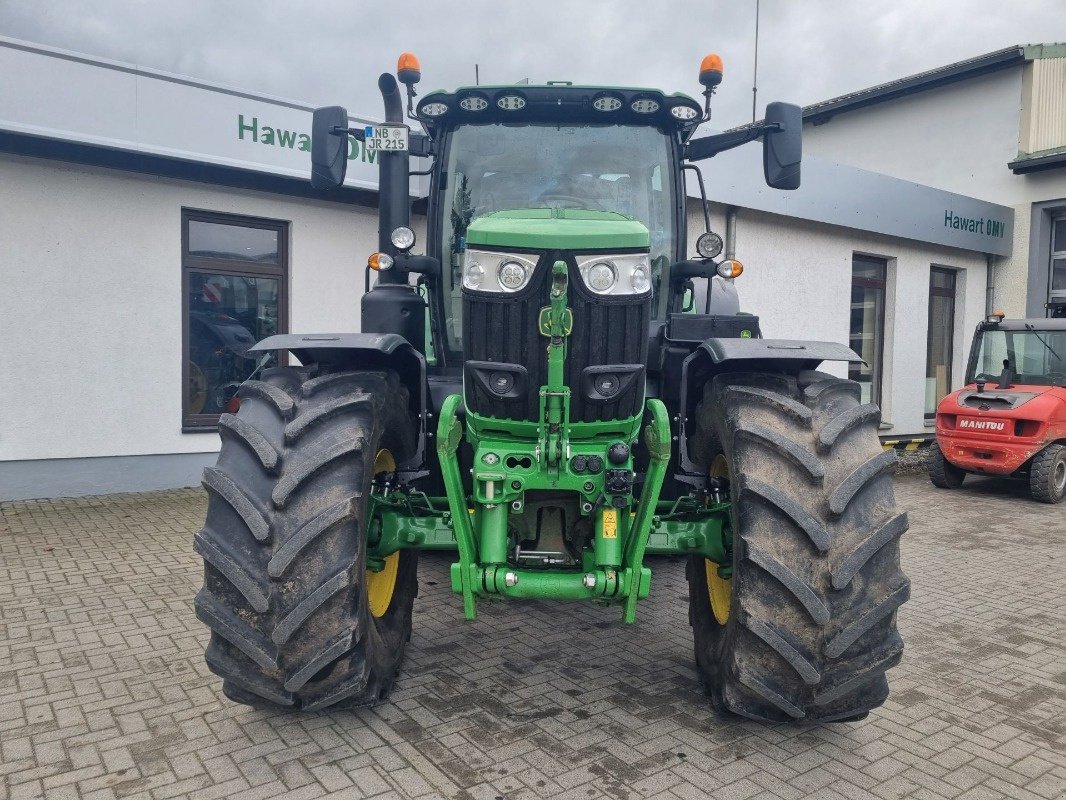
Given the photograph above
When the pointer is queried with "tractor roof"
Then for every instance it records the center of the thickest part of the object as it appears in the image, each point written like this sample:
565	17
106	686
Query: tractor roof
560	103
1038	323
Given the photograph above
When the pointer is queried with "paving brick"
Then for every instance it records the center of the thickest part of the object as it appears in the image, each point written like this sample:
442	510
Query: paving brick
107	695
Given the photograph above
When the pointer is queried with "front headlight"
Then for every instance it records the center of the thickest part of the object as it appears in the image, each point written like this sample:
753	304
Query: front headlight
496	272
621	274
513	275
601	277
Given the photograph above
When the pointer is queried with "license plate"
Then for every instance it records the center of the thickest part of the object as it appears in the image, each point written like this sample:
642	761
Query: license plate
977	425
387	138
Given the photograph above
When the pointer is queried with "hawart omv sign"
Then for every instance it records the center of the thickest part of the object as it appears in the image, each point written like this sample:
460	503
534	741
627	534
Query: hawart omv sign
122	107
986	226
249	129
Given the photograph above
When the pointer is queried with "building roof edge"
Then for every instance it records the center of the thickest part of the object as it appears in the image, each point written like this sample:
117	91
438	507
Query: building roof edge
1035	162
941	76
148	72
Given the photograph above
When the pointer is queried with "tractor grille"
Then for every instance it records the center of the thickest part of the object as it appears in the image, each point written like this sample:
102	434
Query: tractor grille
503	330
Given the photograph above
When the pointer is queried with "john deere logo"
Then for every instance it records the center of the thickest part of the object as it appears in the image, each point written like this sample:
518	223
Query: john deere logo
745	334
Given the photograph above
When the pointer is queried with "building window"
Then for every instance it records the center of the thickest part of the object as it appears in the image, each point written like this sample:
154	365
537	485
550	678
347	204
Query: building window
939	352
868	276
234	276
1057	295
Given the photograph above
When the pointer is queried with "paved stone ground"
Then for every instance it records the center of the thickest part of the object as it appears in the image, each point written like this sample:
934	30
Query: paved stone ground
105	693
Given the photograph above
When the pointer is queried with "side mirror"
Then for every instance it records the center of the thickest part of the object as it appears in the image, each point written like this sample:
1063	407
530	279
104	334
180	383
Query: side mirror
329	147
782	149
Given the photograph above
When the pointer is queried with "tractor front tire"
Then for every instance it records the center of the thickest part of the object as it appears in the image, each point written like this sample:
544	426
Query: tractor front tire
942	473
293	623
1047	474
805	627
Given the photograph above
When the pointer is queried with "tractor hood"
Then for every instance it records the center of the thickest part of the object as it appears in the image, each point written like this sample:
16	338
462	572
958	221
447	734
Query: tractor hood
557	229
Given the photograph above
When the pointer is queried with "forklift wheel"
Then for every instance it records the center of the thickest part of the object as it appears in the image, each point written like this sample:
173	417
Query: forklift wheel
943	473
1047	474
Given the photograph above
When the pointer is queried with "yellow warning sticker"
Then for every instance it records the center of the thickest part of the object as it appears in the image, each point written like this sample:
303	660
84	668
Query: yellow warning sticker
610	523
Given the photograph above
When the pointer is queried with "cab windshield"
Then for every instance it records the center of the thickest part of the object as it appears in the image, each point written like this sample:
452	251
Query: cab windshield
1035	356
497	167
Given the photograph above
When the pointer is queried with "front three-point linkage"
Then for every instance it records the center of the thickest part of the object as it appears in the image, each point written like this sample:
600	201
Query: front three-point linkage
556	323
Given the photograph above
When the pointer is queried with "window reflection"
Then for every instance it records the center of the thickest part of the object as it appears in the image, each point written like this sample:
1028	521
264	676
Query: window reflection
227	315
235	242
939	349
867	324
865	311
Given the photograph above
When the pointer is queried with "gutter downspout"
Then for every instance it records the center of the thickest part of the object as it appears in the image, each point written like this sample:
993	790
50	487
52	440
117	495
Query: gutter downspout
990	284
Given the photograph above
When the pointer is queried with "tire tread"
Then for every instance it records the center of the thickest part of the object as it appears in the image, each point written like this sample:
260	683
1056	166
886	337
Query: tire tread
816	580
284	542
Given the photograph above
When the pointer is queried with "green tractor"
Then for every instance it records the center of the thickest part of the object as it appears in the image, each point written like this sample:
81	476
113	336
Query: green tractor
553	391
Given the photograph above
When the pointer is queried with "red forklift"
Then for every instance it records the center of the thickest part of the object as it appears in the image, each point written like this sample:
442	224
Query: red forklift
1009	420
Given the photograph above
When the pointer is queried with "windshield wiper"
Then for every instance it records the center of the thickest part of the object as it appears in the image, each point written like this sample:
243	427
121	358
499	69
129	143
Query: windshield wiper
1029	327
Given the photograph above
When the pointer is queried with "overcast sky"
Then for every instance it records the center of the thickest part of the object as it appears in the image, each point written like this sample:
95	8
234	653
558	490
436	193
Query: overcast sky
330	51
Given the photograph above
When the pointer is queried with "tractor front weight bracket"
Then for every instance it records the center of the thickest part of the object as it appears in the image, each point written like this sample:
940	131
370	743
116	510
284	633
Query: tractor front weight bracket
477	525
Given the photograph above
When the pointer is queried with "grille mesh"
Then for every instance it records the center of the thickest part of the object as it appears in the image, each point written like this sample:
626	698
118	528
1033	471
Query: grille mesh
607	330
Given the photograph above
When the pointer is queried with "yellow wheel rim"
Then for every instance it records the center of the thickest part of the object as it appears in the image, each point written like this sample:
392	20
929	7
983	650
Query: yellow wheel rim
719	590
380	585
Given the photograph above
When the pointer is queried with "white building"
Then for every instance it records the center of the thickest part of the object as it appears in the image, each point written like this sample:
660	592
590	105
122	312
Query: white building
992	127
134	204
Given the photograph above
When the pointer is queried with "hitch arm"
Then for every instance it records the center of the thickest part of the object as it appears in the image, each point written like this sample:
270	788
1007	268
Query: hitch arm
658	440
449	435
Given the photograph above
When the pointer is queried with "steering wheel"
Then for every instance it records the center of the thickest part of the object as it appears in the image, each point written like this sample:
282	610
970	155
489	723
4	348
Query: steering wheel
985	376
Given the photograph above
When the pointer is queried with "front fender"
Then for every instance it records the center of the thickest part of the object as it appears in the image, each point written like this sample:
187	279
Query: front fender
748	355
770	354
368	351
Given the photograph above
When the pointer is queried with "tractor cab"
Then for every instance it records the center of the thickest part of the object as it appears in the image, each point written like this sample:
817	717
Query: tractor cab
527	174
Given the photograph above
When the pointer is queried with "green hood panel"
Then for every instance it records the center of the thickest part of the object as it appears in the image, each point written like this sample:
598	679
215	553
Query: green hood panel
557	229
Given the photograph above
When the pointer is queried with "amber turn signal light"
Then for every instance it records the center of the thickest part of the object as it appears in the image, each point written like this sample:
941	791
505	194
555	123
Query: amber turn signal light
730	268
379	261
